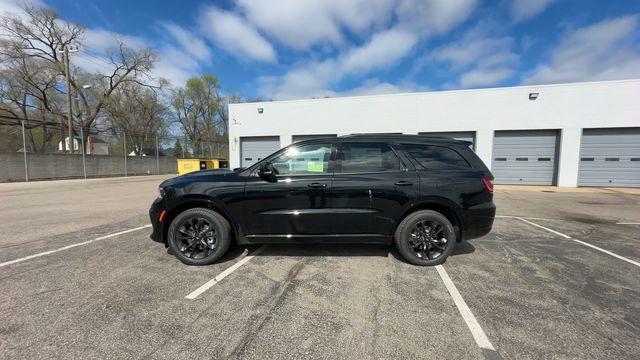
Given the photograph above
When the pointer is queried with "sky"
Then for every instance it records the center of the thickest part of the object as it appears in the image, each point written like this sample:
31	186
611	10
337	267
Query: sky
293	49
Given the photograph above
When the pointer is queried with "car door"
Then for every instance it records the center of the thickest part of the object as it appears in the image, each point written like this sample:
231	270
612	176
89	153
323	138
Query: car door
371	187
295	202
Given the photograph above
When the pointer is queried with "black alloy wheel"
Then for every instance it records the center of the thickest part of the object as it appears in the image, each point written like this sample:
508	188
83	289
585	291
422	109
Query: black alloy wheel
196	237
425	238
199	236
428	240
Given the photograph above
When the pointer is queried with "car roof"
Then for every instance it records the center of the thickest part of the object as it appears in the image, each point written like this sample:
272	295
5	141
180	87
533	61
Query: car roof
403	138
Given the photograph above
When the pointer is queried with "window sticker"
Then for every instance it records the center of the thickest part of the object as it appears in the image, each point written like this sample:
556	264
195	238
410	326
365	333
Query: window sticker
315	167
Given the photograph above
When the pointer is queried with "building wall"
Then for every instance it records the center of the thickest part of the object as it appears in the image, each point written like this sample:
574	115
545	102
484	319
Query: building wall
565	107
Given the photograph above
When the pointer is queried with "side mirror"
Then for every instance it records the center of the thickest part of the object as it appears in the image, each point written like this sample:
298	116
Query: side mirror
266	172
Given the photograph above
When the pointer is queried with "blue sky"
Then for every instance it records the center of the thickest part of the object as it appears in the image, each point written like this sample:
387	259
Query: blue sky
287	49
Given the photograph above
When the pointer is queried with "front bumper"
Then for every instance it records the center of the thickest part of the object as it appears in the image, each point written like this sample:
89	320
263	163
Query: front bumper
154	215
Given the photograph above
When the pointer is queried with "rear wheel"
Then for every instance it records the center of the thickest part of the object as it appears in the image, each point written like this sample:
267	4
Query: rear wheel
425	238
199	236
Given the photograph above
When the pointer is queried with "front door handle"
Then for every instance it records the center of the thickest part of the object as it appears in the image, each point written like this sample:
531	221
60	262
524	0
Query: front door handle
316	185
404	183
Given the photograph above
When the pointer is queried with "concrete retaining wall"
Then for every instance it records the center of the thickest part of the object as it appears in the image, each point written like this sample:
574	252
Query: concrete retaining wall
61	166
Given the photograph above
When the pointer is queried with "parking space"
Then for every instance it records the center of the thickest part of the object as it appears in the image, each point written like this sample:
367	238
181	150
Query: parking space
533	293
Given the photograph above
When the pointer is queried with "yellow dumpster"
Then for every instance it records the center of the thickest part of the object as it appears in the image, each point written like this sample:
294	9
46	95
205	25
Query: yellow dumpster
188	165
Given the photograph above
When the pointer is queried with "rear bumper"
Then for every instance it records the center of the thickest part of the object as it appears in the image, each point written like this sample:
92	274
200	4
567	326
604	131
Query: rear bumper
479	220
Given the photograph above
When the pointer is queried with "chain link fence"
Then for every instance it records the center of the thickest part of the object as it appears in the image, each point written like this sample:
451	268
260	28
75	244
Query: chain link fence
37	152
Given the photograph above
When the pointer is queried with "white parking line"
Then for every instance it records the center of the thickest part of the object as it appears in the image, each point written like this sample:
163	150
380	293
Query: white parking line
628	223
579	241
206	286
530	218
473	325
72	246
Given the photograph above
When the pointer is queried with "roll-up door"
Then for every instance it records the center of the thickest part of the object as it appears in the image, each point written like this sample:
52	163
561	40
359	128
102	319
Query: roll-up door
254	149
610	157
524	157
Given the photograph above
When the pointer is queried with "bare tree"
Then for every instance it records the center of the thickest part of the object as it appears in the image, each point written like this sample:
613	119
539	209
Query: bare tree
35	39
139	112
201	109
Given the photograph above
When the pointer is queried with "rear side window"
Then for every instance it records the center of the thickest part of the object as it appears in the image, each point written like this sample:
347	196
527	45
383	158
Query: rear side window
367	157
436	157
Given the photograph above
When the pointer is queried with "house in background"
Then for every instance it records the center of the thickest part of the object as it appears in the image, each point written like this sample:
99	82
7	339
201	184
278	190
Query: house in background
95	145
147	152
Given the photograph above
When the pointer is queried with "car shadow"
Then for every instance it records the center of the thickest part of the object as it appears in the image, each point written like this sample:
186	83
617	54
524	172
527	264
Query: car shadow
331	250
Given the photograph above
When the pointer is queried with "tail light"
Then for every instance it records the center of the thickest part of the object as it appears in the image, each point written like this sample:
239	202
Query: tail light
488	183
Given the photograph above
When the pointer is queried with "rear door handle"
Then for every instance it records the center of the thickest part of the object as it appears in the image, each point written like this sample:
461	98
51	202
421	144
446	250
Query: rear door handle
404	183
316	185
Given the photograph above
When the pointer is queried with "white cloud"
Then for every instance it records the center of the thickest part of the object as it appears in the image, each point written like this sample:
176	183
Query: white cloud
482	59
433	16
190	42
602	51
526	9
13	7
315	79
375	87
236	35
312	80
100	40
301	24
384	49
473	49
484	77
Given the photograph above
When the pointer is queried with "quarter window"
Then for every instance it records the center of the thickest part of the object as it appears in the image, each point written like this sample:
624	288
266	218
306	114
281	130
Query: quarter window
367	157
305	159
437	157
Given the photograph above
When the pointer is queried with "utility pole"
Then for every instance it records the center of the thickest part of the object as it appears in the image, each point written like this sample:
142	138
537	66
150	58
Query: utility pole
24	152
65	50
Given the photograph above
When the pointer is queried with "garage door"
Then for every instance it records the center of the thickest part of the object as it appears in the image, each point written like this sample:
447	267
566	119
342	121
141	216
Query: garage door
458	135
297	138
524	157
610	157
254	149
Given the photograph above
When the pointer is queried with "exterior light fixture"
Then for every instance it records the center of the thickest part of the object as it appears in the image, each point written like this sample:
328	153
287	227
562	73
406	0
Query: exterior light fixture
533	96
260	110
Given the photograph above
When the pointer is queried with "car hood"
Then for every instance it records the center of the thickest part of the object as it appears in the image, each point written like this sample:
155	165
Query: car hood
210	176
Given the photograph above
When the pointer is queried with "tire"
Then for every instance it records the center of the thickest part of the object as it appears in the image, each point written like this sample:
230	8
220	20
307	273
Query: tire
428	246
206	247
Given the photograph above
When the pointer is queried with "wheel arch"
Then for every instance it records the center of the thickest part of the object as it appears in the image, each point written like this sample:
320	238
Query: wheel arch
442	206
194	202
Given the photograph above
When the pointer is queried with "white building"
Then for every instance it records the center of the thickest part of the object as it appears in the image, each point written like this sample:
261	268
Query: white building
583	134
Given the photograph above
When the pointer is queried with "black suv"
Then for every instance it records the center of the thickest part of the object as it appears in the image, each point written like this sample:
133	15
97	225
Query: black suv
423	193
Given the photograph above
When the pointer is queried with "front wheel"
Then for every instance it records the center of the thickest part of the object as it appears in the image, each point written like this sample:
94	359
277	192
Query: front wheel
425	238
199	236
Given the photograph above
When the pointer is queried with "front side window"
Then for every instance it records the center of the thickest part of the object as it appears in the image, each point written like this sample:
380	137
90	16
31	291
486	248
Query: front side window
436	157
304	159
367	157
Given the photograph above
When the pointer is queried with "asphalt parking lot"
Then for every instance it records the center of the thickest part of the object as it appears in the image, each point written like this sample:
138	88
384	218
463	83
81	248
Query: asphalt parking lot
558	277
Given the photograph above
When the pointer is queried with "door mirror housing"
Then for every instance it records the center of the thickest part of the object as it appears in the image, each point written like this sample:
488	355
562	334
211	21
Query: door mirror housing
267	172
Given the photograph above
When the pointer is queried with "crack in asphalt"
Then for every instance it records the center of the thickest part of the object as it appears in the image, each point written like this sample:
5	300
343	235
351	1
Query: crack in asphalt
277	295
